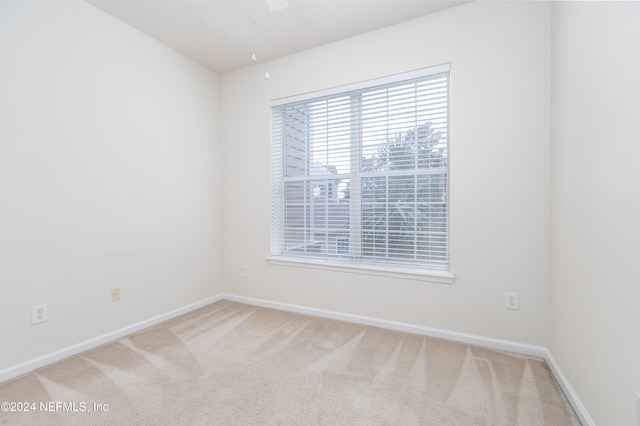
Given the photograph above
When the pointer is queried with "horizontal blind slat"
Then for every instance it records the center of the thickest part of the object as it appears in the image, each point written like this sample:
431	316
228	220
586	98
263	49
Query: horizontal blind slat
397	138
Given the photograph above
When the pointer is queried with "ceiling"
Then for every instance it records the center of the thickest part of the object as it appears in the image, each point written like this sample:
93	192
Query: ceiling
223	34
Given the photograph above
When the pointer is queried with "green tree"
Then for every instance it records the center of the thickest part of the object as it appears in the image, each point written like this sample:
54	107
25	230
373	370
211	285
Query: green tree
404	202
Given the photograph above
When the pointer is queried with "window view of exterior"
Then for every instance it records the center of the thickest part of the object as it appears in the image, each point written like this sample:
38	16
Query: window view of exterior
362	176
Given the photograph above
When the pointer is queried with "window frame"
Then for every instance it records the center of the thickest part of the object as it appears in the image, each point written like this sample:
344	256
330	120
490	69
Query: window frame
416	271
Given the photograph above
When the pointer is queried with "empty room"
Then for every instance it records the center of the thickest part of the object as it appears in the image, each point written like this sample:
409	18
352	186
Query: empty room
319	212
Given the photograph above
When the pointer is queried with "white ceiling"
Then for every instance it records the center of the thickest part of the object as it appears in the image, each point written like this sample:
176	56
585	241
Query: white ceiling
223	34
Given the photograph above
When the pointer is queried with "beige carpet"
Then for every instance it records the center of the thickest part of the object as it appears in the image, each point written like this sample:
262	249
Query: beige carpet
233	364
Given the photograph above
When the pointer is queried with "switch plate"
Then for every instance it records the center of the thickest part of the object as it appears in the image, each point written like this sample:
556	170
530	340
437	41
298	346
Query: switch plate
245	270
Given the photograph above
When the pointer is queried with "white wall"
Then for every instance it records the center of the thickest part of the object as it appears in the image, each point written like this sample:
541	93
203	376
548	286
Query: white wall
500	127
109	176
595	244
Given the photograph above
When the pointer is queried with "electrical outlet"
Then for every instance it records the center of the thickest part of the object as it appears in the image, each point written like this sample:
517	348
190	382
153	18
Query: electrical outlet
115	294
511	301
245	270
39	314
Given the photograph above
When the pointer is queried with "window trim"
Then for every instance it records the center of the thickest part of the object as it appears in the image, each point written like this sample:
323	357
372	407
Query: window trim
368	267
376	269
394	78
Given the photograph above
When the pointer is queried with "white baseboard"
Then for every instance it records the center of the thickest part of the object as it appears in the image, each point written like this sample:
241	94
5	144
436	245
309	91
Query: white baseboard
571	395
487	342
33	364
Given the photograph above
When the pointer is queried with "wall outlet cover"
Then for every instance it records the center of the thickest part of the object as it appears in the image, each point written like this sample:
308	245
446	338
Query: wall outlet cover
511	301
39	313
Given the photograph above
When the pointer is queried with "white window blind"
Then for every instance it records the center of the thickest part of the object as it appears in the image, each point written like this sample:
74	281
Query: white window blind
360	175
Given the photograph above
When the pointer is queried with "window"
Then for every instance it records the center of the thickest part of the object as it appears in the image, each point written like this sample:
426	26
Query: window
360	174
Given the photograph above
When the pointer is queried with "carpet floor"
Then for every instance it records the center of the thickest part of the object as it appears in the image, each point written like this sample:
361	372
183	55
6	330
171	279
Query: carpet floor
234	364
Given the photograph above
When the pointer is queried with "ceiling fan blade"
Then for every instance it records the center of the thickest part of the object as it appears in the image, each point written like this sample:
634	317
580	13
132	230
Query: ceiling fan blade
276	5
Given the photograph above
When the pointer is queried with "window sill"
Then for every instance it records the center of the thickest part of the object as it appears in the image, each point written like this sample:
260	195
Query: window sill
367	269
